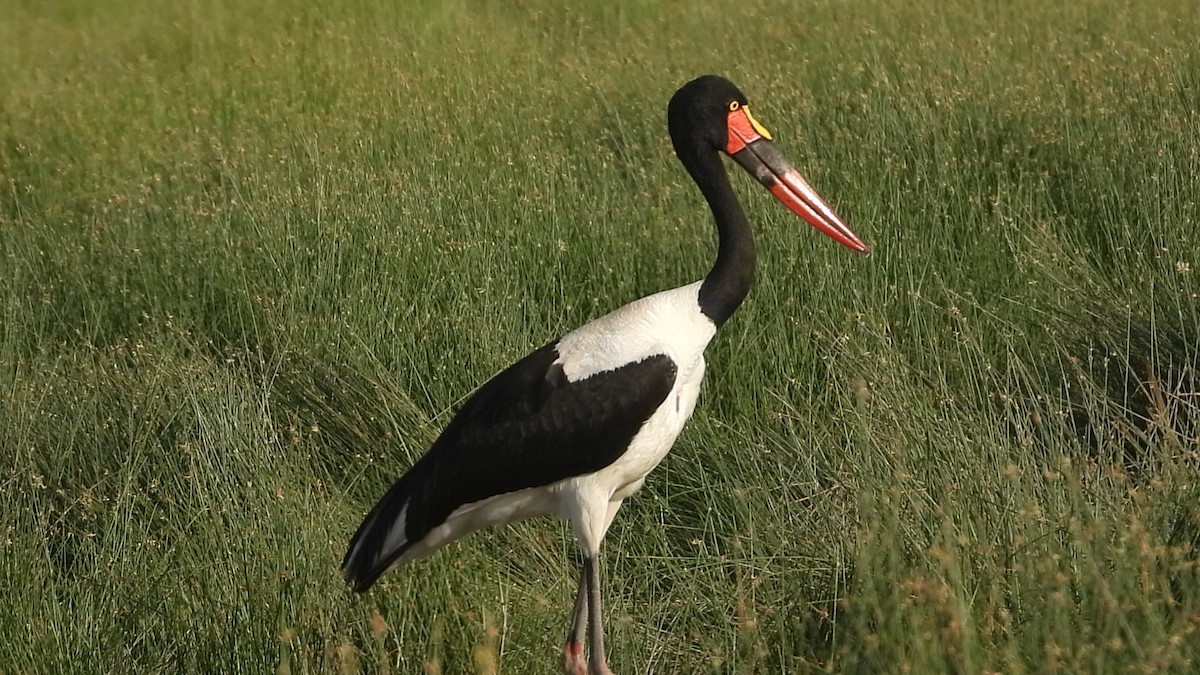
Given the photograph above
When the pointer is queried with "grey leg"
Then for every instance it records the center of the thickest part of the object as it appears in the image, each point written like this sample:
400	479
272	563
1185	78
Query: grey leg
597	662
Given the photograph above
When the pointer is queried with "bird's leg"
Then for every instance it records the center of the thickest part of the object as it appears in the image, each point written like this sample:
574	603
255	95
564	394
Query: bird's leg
597	663
574	661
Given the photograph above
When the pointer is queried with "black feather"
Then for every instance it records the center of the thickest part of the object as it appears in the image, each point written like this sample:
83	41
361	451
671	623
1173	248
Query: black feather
528	426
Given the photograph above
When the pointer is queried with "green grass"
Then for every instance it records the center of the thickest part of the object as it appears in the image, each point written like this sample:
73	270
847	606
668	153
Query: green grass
251	256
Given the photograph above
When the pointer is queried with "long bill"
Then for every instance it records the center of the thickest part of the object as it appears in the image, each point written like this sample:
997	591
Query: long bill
750	146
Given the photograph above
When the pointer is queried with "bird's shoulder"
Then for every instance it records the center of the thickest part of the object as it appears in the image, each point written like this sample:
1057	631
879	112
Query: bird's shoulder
665	323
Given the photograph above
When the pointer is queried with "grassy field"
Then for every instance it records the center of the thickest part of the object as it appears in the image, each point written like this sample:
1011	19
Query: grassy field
253	254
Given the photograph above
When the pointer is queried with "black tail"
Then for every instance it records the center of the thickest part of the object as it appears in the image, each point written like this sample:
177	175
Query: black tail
380	540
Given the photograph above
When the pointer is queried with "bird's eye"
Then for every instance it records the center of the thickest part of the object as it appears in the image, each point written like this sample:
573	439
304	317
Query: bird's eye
734	105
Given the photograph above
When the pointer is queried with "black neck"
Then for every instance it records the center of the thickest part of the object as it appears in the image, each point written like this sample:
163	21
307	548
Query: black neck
727	284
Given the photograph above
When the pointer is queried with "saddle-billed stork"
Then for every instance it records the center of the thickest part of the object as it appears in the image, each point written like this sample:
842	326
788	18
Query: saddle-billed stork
574	428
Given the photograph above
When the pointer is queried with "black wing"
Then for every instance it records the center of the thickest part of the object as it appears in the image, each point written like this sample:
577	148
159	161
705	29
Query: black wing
527	426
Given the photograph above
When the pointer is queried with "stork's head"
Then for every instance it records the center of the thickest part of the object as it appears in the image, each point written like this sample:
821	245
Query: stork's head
711	114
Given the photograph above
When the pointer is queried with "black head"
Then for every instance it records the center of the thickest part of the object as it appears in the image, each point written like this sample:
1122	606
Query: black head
698	112
708	116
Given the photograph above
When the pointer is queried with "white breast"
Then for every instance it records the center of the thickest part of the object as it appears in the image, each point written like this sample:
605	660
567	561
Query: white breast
669	322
